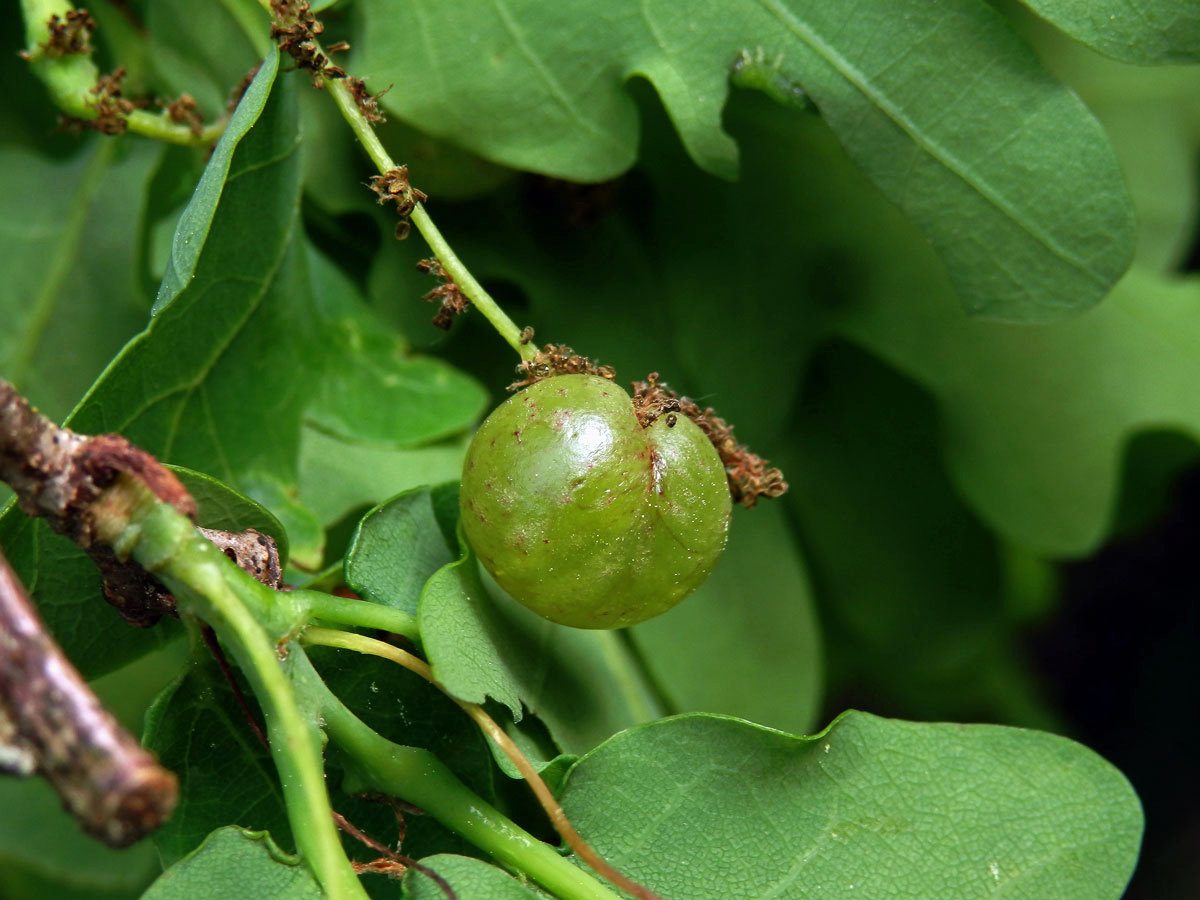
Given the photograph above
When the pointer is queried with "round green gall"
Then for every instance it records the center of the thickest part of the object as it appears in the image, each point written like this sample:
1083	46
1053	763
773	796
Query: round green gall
583	515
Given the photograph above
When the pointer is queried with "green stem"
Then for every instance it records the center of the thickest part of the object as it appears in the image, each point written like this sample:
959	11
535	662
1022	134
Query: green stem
417	776
70	80
453	266
359	613
254	623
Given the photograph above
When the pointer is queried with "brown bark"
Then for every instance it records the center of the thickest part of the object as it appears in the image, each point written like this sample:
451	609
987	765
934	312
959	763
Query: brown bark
52	724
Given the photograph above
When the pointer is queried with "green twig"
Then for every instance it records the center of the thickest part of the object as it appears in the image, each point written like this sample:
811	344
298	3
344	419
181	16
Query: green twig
359	613
417	776
454	267
362	644
255	624
71	78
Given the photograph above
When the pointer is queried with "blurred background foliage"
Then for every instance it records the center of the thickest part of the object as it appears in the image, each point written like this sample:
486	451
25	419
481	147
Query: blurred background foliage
988	520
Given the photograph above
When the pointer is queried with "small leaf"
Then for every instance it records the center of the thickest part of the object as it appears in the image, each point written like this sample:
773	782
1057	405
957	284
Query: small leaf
471	879
397	547
871	807
1135	31
235	864
462	637
584	685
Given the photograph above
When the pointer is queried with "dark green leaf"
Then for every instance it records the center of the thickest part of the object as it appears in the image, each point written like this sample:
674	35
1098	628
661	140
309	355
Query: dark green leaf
198	730
1136	31
70	294
871	807
234	310
44	854
910	578
527	86
230	322
65	585
471	879
1031	438
234	864
203	49
747	642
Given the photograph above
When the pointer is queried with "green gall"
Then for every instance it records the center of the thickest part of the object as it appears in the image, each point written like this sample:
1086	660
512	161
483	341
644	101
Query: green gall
583	515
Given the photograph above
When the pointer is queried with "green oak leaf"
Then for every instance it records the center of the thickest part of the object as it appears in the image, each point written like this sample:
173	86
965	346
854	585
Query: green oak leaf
1152	117
233	311
236	864
1135	31
470	879
541	89
380	394
177	390
870	807
337	477
1035	421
